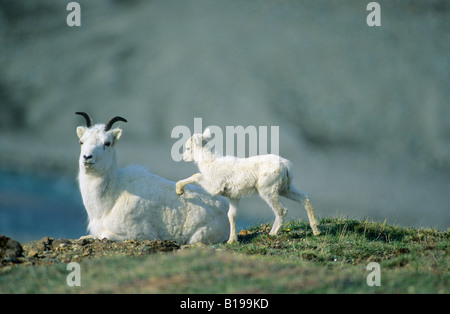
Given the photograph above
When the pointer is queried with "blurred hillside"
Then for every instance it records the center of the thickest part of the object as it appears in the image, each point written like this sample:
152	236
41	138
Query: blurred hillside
363	111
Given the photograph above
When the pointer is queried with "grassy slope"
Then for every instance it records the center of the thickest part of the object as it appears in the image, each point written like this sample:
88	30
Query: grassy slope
412	261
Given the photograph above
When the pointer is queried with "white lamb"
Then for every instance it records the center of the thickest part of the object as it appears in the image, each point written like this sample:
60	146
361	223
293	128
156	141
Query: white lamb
268	175
132	203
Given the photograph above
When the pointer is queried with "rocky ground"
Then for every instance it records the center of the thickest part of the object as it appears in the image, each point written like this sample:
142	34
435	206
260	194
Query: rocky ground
48	250
410	261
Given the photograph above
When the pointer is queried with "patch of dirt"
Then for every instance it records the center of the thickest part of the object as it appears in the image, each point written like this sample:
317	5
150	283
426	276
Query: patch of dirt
48	250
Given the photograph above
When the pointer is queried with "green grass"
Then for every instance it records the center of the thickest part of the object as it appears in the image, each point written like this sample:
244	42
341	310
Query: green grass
411	261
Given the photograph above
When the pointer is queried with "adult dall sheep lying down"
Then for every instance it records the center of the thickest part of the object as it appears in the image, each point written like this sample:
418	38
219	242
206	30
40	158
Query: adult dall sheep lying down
132	203
268	175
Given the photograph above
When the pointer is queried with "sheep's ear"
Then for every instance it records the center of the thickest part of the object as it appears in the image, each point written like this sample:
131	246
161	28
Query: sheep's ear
80	131
206	133
116	133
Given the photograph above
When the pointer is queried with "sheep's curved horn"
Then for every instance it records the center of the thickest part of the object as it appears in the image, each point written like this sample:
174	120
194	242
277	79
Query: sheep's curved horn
111	121
89	121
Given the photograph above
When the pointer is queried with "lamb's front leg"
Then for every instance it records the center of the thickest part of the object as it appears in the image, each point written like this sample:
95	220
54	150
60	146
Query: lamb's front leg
182	183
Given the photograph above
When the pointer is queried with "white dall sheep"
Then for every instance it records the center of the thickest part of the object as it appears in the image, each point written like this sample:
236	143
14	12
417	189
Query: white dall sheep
131	203
268	175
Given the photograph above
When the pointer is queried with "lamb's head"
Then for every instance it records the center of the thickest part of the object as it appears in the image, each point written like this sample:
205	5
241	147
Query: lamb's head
97	145
196	147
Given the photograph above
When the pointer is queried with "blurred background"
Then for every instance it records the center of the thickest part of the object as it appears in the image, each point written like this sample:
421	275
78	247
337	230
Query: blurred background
363	112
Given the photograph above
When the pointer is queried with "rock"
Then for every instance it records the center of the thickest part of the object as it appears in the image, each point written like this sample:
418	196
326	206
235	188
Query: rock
45	243
35	248
60	243
10	248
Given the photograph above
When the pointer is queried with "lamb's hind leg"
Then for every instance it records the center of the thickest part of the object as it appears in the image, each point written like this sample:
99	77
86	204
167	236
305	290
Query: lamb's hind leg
232	218
278	209
303	198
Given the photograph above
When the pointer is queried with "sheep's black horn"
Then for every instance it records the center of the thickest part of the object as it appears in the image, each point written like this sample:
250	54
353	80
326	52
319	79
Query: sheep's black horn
111	121
89	122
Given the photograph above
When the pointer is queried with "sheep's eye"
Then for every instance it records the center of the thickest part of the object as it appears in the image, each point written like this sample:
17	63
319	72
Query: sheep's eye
108	144
81	143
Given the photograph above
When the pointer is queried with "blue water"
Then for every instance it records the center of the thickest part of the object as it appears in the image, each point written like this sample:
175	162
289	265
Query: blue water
33	207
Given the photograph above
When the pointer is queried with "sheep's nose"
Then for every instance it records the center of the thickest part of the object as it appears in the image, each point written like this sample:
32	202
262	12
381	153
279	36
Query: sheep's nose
87	157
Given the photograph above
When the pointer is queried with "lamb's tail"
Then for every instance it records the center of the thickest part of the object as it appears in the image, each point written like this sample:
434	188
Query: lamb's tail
290	191
287	172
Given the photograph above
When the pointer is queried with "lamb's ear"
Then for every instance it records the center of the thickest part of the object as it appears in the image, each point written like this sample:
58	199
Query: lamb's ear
206	134
80	131
116	133
196	140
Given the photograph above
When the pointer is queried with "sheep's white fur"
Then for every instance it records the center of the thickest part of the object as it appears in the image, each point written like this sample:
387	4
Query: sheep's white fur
132	203
268	175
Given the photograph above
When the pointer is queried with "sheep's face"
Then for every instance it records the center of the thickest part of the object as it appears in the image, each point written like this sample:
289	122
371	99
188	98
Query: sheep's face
97	148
